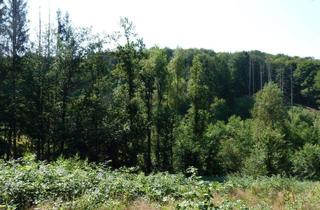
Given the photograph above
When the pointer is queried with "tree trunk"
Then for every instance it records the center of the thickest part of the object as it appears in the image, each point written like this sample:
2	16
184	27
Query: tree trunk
149	107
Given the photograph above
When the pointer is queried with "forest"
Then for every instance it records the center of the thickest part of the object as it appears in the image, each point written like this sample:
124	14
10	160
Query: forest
66	93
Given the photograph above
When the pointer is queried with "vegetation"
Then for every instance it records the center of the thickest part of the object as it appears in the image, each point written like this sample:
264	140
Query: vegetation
75	184
156	109
68	93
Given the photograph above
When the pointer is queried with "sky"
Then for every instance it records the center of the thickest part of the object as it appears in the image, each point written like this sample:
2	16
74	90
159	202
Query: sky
289	27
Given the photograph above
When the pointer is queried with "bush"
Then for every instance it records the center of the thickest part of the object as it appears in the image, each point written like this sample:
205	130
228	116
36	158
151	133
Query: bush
301	127
235	147
76	184
214	134
270	152
306	162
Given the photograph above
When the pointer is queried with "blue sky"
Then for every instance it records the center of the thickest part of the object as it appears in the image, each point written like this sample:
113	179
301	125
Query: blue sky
291	27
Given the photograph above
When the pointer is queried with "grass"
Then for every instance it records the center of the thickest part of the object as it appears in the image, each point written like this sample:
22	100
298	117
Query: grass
76	184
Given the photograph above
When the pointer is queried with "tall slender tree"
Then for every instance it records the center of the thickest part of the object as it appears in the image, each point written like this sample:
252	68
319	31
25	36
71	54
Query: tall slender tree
178	83
163	140
3	72
197	90
148	79
68	58
153	76
2	24
17	31
129	53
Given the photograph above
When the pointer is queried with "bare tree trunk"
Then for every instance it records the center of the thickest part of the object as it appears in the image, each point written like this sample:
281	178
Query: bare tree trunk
14	108
249	85
253	79
149	107
291	85
261	76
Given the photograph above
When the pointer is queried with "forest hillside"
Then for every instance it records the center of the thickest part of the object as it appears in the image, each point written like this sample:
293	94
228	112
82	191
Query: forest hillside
67	93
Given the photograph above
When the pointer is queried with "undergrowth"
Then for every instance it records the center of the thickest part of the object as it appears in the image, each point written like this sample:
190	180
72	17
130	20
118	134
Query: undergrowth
77	184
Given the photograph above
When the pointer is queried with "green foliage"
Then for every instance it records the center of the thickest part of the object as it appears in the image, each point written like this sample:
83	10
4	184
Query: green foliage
197	88
268	107
256	163
78	184
75	184
235	145
270	150
307	76
301	127
177	83
213	136
155	109
316	87
219	109
242	107
187	148
306	162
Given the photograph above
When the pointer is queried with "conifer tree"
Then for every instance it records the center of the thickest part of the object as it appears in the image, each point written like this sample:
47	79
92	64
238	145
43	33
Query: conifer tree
16	28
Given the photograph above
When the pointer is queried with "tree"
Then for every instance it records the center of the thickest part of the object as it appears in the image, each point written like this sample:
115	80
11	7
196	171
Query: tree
64	64
190	131
154	79
269	154
235	145
197	92
268	108
91	105
219	110
239	73
306	77
270	150
3	73
299	127
209	158
306	162
17	31
67	65
219	82
126	94
148	79
2	25
34	88
178	84
316	87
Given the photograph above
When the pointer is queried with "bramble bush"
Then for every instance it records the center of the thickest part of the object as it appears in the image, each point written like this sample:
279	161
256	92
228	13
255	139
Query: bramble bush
77	184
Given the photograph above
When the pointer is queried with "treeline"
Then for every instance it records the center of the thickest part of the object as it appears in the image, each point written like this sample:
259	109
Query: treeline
159	109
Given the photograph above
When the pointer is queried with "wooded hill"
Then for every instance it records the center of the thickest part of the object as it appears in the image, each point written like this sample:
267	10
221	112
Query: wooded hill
158	109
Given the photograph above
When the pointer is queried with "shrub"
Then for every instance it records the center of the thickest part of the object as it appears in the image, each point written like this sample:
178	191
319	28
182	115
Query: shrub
235	147
306	162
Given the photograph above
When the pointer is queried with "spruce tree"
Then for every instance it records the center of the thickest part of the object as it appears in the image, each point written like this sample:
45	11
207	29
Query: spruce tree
17	30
